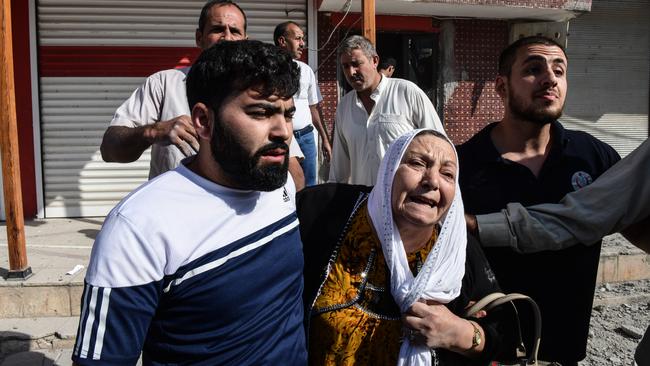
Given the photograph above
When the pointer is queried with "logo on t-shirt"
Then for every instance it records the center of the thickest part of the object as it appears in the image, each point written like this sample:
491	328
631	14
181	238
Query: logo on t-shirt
285	195
581	179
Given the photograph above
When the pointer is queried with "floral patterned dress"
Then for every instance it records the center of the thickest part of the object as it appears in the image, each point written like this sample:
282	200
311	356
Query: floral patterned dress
355	320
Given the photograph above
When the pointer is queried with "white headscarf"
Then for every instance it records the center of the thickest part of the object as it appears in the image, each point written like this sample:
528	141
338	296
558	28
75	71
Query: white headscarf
440	278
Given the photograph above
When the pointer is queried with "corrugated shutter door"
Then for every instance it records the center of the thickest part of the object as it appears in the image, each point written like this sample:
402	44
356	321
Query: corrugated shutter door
609	60
74	115
149	22
75	111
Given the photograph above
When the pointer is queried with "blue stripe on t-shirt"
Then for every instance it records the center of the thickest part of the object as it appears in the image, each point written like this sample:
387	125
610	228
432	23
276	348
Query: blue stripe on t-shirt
113	324
229	315
225	315
218	257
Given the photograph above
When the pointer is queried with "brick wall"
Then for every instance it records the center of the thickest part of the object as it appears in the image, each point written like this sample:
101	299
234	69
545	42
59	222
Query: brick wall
327	69
474	103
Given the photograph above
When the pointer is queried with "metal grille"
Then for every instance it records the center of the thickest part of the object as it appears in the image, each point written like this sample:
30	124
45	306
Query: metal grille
149	22
609	60
75	110
74	115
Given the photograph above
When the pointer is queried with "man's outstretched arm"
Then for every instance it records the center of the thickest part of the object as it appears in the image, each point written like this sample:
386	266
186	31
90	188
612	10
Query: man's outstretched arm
619	200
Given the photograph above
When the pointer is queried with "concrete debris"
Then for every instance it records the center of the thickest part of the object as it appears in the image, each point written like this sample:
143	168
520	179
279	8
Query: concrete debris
618	322
633	332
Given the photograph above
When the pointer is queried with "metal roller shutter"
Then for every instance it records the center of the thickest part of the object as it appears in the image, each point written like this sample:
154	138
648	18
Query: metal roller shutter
74	114
75	111
149	22
609	60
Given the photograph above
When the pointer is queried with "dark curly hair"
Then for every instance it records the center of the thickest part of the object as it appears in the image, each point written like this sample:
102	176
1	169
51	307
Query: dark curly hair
227	68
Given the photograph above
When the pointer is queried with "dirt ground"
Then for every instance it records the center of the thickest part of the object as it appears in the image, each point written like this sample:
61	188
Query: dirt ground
620	316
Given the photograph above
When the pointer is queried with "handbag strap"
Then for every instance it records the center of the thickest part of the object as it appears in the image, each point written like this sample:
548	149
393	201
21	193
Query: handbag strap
495	299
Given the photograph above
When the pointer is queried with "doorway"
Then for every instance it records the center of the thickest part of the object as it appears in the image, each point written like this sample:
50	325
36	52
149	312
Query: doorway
416	55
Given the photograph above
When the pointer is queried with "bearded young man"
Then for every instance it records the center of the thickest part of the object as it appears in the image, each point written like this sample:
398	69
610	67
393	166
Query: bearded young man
529	157
203	264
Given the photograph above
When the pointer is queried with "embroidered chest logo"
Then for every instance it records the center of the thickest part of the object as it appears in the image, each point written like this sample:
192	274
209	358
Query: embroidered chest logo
285	195
580	179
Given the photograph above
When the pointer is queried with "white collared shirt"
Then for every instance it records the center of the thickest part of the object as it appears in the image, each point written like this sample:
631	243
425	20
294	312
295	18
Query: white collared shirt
361	140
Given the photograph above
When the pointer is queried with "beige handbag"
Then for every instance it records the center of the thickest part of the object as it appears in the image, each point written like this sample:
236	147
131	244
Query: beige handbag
496	299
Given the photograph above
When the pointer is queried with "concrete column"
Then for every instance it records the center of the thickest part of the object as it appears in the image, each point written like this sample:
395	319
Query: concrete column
447	79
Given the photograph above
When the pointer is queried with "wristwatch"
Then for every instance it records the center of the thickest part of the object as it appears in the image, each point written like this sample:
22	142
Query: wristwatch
476	338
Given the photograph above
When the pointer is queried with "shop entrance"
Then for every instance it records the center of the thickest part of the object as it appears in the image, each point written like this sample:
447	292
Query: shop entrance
416	55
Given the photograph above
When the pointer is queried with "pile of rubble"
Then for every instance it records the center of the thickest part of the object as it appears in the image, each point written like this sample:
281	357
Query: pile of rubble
617	326
620	316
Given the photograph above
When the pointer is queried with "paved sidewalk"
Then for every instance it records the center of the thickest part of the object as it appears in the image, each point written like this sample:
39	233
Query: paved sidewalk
54	247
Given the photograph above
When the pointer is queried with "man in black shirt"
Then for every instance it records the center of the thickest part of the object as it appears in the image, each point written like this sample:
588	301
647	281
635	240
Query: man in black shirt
529	157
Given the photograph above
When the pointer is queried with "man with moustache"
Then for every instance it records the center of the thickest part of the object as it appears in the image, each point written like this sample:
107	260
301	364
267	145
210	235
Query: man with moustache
289	36
528	157
203	265
157	114
373	115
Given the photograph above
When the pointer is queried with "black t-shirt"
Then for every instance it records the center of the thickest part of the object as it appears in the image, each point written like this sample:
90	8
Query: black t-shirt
561	282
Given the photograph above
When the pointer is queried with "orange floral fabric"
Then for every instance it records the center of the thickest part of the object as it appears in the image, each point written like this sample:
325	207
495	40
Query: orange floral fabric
357	321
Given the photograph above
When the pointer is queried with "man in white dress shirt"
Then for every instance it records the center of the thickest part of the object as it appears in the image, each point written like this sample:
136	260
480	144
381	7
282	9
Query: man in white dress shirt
373	115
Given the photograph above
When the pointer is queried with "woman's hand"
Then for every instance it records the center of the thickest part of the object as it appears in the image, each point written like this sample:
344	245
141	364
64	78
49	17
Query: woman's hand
434	325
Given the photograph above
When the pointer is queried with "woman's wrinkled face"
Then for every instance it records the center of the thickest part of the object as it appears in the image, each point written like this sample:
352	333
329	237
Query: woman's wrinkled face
425	182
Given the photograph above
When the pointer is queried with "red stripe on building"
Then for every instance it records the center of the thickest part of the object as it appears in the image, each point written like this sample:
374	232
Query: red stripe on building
23	89
112	60
389	22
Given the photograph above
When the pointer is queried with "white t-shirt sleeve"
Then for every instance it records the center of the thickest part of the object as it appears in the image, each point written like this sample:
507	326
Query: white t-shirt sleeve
121	293
143	107
122	256
313	93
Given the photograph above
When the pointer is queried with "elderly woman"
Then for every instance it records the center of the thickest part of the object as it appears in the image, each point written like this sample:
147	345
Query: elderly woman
388	273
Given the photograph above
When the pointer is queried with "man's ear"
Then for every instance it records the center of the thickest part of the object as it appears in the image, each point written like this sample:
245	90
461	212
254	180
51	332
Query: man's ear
198	37
500	86
282	42
202	119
